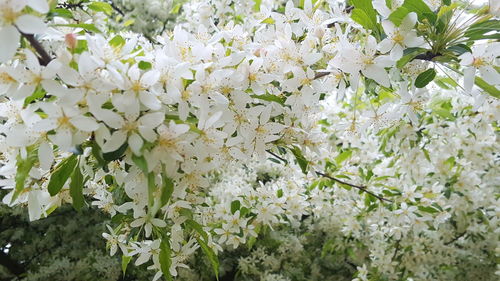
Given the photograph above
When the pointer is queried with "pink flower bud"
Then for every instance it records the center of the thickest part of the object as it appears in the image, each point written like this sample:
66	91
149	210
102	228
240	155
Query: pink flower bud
71	40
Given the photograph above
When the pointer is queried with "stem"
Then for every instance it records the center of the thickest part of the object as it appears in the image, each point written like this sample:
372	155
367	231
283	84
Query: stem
360	187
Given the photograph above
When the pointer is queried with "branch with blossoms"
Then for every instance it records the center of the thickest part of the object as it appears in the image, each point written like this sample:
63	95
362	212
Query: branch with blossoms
140	128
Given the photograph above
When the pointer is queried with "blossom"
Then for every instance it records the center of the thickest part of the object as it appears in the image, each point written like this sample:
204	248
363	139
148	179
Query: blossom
13	21
400	37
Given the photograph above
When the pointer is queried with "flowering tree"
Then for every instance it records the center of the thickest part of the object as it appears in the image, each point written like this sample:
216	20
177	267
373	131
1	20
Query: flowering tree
383	114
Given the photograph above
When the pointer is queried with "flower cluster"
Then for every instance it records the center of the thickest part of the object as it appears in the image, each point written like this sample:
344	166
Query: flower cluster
143	126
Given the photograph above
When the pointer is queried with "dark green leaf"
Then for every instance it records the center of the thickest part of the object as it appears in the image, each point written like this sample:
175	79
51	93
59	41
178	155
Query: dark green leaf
212	257
61	174
197	227
76	188
144	65
114	155
301	160
235	206
425	78
167	189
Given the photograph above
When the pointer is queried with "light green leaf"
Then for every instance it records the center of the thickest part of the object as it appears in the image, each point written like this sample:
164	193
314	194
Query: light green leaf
23	169
101	7
141	163
88	27
491	90
165	258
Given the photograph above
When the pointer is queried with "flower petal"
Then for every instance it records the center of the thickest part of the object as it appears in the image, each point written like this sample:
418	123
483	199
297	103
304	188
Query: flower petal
83	123
9	36
30	24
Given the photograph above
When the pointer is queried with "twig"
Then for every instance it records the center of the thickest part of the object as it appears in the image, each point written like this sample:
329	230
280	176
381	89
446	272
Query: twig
277	156
321	74
44	58
116	8
362	188
71	6
455	239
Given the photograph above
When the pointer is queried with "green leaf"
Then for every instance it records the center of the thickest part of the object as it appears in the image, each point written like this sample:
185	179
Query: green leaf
279	193
97	153
141	163
489	29
363	19
197	227
144	65
212	257
301	160
269	97
491	90
398	15
235	206
117	41
343	156
114	155
425	78
420	8
165	258
101	7
367	7
408	55
151	188
256	6
87	27
61	174
76	188
125	261
64	13
23	169
428	209
167	189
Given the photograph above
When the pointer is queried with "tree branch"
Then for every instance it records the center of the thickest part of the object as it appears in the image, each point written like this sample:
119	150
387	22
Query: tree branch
44	58
362	188
456	238
321	74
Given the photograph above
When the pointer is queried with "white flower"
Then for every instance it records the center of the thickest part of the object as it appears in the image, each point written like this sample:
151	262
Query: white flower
482	58
400	37
13	21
